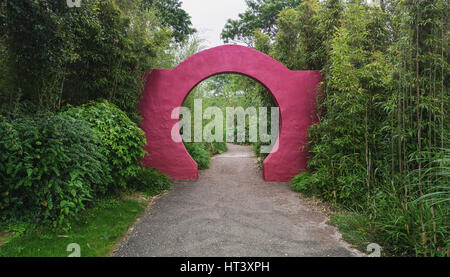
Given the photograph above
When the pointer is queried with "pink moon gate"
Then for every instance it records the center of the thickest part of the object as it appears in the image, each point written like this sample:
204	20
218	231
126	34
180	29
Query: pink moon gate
165	89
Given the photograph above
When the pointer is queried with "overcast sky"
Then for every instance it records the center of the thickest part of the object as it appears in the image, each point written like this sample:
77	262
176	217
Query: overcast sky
210	16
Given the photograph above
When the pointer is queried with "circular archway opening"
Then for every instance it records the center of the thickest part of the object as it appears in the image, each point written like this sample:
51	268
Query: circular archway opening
229	109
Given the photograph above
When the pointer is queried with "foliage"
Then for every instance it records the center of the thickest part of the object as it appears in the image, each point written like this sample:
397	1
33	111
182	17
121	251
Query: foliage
150	181
357	77
301	182
97	232
380	147
286	42
189	47
216	147
438	169
299	38
172	15
48	166
261	14
198	152
3	69
56	55
55	160
262	42
355	229
303	33
230	90
202	151
54	164
121	139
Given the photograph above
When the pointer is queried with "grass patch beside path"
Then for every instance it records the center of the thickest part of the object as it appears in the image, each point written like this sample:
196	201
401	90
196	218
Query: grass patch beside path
97	233
354	229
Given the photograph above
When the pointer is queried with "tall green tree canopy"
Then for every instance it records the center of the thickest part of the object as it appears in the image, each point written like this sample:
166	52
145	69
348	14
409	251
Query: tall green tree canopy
55	55
261	14
173	16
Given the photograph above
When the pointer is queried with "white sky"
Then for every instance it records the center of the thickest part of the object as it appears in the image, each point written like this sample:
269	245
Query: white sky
210	16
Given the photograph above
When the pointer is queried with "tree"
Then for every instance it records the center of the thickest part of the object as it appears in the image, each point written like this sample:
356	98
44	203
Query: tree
356	77
57	55
261	14
262	42
189	47
286	47
173	16
303	34
299	43
329	17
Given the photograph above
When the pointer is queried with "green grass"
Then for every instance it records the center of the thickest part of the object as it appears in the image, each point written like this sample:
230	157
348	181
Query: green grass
97	232
354	229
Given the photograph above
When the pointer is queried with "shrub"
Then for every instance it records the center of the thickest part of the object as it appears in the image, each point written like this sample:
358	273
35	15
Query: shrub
48	165
120	138
301	182
199	154
151	181
216	147
201	151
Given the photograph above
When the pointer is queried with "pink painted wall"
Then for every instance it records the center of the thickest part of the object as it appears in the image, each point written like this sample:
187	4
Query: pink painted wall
294	91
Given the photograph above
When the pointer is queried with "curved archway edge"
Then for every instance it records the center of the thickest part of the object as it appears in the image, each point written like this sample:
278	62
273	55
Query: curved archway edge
165	89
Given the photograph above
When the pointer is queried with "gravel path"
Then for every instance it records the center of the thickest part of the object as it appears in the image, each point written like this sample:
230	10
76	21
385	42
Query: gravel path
230	211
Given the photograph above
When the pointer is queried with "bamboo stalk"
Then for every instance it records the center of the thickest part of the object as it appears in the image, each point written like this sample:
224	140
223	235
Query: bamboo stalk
419	127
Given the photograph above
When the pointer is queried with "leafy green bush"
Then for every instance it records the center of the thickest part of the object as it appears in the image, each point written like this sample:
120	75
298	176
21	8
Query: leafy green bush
151	181
48	165
301	182
216	147
120	138
199	154
52	165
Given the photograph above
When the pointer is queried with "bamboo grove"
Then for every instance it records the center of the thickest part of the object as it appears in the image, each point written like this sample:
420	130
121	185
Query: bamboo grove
381	148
